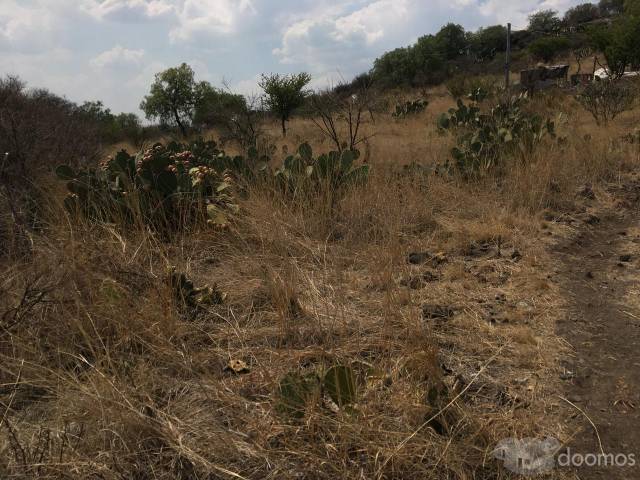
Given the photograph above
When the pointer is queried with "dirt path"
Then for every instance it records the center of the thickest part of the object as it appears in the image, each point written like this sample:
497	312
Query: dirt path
600	271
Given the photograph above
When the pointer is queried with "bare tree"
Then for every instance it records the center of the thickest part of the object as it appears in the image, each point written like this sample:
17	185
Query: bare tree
245	126
37	130
581	54
340	116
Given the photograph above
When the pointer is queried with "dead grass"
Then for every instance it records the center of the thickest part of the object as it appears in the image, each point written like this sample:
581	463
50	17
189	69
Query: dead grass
102	377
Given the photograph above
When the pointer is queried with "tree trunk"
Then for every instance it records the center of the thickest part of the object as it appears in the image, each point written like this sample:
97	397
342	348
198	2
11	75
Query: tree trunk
284	127
183	130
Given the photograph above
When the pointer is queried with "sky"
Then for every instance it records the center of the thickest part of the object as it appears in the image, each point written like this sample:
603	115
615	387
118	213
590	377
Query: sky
109	50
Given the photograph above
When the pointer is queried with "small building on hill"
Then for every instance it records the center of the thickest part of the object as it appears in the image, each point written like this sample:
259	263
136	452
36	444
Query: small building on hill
543	77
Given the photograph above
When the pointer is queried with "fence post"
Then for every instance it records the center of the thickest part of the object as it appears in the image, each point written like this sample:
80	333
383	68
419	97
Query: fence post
507	65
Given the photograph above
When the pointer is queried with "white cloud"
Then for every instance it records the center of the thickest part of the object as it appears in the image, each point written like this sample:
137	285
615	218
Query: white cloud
503	11
206	17
24	28
370	22
144	77
68	45
344	41
118	56
128	11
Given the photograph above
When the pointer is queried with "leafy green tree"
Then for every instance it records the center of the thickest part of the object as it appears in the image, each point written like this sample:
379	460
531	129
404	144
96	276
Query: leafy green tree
173	97
610	8
112	128
632	8
544	21
96	111
451	41
548	48
619	44
395	68
583	13
127	121
216	106
486	42
128	126
426	61
285	93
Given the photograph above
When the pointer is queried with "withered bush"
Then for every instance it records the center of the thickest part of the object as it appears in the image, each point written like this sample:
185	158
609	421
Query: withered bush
37	130
607	99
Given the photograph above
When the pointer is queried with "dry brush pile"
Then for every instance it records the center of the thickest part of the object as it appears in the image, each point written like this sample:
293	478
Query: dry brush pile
387	320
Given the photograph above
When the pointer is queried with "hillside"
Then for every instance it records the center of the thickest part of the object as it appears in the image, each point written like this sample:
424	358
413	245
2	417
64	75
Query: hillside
454	52
398	283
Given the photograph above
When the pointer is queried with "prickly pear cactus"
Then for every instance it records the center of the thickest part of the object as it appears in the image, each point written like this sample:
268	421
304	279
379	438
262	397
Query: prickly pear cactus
484	138
164	185
297	392
187	296
411	107
340	384
334	170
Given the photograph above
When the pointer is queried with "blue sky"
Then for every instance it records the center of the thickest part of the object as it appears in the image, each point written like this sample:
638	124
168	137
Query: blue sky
110	49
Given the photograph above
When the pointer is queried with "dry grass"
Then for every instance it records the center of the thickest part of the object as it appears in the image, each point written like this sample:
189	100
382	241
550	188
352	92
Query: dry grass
102	377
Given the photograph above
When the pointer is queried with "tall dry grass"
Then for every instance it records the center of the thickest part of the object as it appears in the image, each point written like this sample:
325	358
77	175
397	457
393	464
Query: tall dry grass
103	376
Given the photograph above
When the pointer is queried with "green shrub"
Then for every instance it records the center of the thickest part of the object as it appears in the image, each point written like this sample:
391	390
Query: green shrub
619	44
112	128
487	42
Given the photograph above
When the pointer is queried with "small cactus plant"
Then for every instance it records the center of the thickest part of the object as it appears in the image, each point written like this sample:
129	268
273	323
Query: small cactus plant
296	392
333	170
186	295
411	107
340	384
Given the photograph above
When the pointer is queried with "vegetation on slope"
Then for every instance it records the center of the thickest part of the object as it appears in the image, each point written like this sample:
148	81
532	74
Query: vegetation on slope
386	309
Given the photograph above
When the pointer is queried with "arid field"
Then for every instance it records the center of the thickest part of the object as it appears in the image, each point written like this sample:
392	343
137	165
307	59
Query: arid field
443	295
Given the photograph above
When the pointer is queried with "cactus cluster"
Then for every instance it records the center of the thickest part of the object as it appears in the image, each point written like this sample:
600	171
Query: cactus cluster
187	296
483	138
334	170
337	388
411	107
478	94
164	185
168	186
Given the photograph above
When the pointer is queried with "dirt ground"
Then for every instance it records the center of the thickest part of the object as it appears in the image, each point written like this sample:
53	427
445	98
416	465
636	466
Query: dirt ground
599	273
